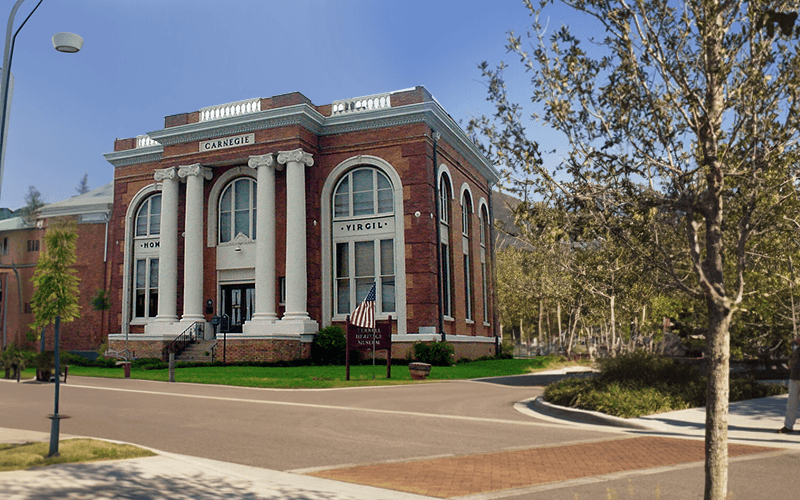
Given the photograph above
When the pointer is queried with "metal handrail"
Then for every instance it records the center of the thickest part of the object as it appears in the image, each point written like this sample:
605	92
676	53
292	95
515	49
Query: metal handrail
185	338
214	352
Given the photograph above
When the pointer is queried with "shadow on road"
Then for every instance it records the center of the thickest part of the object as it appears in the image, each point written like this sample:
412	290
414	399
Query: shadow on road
532	379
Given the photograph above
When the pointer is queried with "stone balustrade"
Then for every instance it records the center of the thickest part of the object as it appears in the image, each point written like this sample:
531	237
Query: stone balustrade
361	104
144	141
230	109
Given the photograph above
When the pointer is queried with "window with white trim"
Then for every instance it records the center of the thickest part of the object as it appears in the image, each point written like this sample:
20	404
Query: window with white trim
363	237
444	242
145	297
466	221
237	209
484	229
148	218
146	246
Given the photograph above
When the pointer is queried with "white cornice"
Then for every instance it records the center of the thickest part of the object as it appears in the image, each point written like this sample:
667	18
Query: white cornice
429	112
299	114
133	156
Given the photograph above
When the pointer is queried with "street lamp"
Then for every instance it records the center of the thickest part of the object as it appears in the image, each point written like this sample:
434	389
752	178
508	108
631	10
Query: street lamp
63	42
67	42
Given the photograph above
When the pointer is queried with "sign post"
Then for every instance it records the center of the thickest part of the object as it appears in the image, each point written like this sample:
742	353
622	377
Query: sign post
369	339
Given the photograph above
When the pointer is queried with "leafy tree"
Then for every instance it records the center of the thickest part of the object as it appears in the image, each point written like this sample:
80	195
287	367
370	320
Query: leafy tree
682	120
56	285
33	201
83	186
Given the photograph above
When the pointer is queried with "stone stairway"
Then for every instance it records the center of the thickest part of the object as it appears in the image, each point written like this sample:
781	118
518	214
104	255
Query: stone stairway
196	352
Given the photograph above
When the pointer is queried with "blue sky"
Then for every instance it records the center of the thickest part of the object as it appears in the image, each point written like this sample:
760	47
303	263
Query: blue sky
145	59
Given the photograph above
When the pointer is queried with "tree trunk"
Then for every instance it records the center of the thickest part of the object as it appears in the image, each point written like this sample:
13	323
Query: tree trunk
541	311
558	314
613	321
717	393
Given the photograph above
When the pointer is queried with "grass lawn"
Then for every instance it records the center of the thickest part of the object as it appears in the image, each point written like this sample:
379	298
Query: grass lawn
25	456
320	377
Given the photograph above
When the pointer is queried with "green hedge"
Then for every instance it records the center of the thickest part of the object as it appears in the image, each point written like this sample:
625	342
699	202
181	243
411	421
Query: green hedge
434	353
640	384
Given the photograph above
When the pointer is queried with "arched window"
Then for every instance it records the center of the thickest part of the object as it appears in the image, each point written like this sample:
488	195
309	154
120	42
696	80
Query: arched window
466	221
363	192
444	242
484	228
363	240
237	210
148	218
145	258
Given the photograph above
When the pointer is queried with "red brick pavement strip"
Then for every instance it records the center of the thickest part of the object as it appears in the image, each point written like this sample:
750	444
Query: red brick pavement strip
471	474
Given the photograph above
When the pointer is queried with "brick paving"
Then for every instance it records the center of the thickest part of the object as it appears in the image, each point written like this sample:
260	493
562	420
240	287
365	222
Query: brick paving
471	474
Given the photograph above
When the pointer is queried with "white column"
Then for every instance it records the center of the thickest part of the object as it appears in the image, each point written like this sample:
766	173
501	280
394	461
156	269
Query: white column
296	271
193	242
265	314
168	246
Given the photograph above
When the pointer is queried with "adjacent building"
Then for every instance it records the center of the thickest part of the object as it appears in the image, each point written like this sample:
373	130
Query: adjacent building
21	244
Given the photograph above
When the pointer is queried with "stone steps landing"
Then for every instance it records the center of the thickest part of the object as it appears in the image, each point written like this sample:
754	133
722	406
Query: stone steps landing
196	352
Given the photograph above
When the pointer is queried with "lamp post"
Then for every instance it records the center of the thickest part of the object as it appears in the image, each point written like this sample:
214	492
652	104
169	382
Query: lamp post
63	42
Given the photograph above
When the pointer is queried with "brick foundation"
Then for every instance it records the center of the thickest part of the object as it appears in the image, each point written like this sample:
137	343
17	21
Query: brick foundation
140	348
265	350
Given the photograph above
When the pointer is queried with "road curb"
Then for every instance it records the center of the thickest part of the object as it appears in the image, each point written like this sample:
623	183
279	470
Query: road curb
539	405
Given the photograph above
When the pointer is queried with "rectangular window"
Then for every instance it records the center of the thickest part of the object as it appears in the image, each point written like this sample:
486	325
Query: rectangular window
447	284
28	309
145	295
343	278
282	292
5	246
467	287
359	265
364	268
387	276
485	293
33	245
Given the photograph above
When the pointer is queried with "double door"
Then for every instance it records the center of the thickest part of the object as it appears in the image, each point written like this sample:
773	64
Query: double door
238	303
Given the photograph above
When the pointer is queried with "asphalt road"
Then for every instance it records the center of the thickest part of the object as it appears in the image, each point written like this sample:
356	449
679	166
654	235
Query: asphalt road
292	429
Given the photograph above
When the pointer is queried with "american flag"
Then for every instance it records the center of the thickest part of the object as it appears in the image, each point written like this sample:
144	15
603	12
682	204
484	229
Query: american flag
364	315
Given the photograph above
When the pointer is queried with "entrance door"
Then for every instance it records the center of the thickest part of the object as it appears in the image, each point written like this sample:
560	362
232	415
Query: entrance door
238	302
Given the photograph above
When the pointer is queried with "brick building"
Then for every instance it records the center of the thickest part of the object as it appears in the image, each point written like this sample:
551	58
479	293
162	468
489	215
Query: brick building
21	243
279	215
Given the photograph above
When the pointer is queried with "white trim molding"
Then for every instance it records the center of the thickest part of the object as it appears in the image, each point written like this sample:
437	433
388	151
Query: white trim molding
213	199
399	237
127	267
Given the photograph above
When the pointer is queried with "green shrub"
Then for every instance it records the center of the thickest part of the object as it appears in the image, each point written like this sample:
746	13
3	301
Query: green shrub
68	358
149	364
329	347
639	384
643	368
13	360
45	360
434	353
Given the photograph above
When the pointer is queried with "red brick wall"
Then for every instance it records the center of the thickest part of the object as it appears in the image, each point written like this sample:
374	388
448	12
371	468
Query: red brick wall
140	348
263	350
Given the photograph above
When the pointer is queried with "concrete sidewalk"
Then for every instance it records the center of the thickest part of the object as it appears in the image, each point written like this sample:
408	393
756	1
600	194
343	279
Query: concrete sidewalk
171	476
